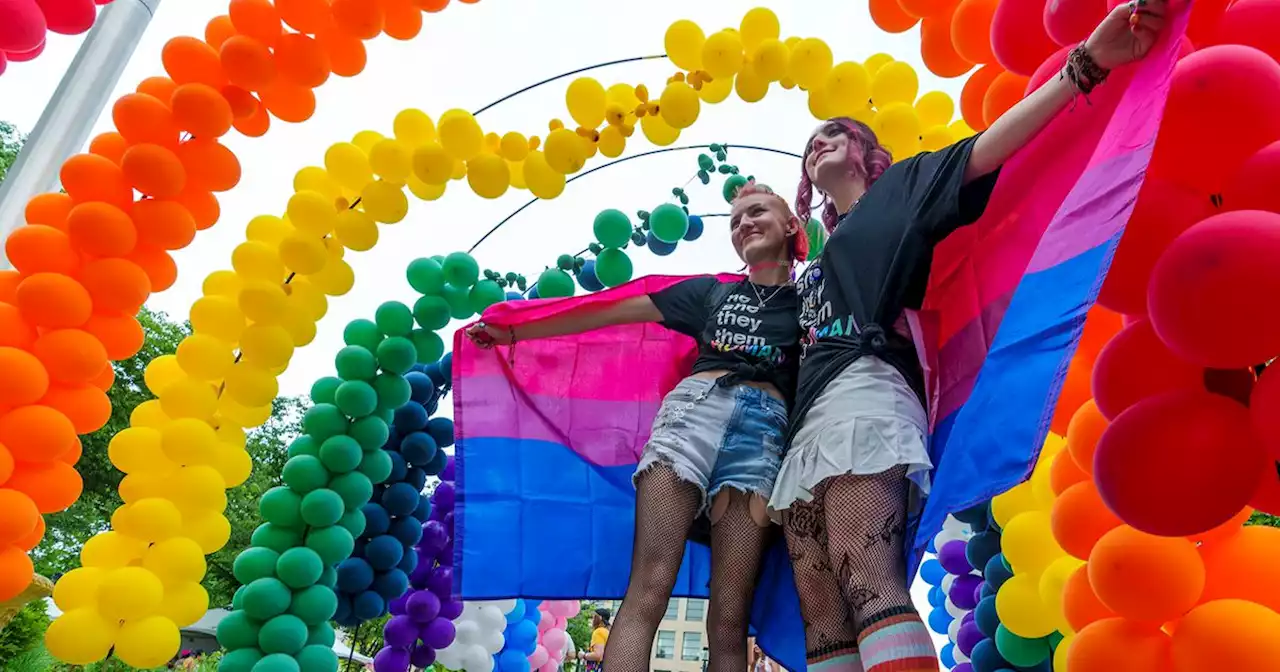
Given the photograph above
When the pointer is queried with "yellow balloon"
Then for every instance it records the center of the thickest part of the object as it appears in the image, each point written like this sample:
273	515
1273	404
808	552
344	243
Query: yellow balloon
257	261
234	464
935	138
1020	608
420	189
267	229
894	82
514	147
960	130
413	127
751	87
848	87
221	283
336	279
898	127
175	561
365	140
147	484
459	170
935	109
188	441
217	316
1052	583
820	104
1028	543
1009	504
148	642
680	105
392	160
184	603
544	181
722	54
585	98
301	328
199	487
189	398
716	90
811	60
384	202
80	637
460	135
151	519
771	60
612	142
251	385
357	230
623	95
205	357
865	114
129	592
564	151
262	301
877	61
758	25
162	372
349	165
109	550
314	178
306	294
683	42
517	172
489	175
1061	652
311	213
211	530
231	436
78	588
135	449
266	345
431	164
303	253
658	131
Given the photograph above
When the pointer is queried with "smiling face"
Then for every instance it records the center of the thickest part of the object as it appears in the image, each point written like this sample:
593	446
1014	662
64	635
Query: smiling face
761	227
831	155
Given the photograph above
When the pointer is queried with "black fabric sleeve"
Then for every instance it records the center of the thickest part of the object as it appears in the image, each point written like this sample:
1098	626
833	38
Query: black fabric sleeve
684	305
935	190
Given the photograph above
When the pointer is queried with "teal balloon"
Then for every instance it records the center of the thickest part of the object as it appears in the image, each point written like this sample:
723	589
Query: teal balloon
554	283
356	398
393	390
266	598
237	598
425	276
323	421
397	354
281	506
322	507
370	432
388	415
314	605
731	186
237	631
461	269
355	362
329	577
817	235
485	294
394	319
321	634
429	346
304	473
240	660
376	465
669	223
277	537
304	445
362	333
277	662
613	268
318	658
299	568
431	313
322	390
285	633
354	520
333	543
1020	651
254	563
612	229
354	488
459	300
340	454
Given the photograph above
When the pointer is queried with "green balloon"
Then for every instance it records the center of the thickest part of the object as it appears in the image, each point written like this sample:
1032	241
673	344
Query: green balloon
322	508
669	223
333	543
321	634
240	660
237	631
354	488
370	432
425	276
340	454
277	662
283	634
362	333
318	658
388	415
303	445
613	268
329	577
254	563
299	567
731	186
356	398
461	269
323	421
356	362
376	465
397	355
1055	638
431	313
429	346
266	598
612	229
277	537
817	236
393	390
322	390
555	283
394	319
485	294
304	473
1020	651
314	605
281	506
459	300
354	520
237	598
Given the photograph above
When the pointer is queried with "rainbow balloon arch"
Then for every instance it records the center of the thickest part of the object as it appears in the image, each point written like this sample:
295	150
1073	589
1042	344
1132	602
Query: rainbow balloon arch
1113	555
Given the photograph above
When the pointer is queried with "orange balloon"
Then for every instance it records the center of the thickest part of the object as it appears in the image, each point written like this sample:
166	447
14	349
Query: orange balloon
143	118
120	335
73	456
89	177
53	486
1243	567
36	433
101	230
14	331
9	280
107	378
247	63
256	124
242	102
1083	433
971	30
347	55
160	88
41	249
1064	473
1224	531
1076	390
71	356
290	103
257	19
1100	326
109	145
203	207
1080	606
210	165
974	94
939	54
1230	635
158	266
889	16
6	464
927	8
163	224
432	6
218	30
16	572
200	110
361	19
302	61
87	407
191	61
402	19
49	210
24	380
1080	518
32	538
117	286
1005	92
53	301
153	170
1144	577
1117	644
305	16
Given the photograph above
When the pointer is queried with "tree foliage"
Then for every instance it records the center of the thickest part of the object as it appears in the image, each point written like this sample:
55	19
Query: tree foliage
11	142
23	633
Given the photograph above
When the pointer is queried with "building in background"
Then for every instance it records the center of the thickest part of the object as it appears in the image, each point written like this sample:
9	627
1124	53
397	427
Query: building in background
681	644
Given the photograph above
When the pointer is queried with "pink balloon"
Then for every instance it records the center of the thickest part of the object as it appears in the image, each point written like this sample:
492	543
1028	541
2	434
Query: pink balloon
539	657
562	623
22	26
549	667
23	56
547	622
69	17
554	639
575	608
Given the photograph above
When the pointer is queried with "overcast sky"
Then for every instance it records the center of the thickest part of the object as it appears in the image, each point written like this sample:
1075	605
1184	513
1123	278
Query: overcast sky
469	56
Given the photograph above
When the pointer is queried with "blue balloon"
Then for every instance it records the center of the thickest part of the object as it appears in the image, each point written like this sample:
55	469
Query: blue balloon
441	429
406	530
517	614
408	563
384	552
433	372
376	519
658	247
398	467
948	655
391	584
368	606
939	621
986	591
420	386
1045	665
515	296
986	617
437	464
937	598
533	292
932	572
931	547
354	575
511	660
982	547
523	637
587	277
423	513
432	406
418	448
996	572
417	477
695	228
446	367
344	608
531	611
974	515
985	657
410	418
400	499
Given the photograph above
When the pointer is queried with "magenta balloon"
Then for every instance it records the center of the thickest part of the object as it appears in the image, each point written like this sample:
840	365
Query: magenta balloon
23	27
69	17
951	557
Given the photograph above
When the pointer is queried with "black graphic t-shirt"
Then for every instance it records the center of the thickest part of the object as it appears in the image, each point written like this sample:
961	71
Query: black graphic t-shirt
734	331
876	265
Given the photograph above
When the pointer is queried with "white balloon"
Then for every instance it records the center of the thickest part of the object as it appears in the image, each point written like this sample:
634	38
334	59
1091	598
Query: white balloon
450	656
505	606
944	537
953	630
492	641
469	611
468	632
491	618
956	612
476	659
960	657
947	582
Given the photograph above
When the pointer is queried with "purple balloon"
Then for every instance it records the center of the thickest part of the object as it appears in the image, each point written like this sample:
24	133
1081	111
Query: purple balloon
396	606
418	577
951	557
422	656
434	536
447	520
442	498
422	606
435	514
977	593
445	558
967	618
391	660
440	581
968	637
449	472
438	633
962	591
450	609
962	667
400	632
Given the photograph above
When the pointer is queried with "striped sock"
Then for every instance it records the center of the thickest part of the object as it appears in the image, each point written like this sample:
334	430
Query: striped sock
845	662
897	641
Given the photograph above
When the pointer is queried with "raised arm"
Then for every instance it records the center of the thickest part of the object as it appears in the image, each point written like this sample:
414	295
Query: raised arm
1125	36
586	318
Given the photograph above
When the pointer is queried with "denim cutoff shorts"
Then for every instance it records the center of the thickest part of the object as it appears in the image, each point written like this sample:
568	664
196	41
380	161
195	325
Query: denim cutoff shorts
719	437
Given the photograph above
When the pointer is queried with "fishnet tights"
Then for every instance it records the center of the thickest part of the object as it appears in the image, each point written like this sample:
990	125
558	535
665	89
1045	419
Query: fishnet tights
737	545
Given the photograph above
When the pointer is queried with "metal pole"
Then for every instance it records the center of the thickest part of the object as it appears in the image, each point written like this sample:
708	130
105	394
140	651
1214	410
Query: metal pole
69	117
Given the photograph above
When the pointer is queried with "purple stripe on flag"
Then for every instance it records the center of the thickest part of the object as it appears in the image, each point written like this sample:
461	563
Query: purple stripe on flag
1098	207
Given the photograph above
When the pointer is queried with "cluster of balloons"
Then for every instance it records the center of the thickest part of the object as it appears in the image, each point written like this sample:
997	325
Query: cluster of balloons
451	289
24	24
950	584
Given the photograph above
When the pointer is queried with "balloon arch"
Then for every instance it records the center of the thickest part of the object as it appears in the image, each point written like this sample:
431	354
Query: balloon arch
1067	570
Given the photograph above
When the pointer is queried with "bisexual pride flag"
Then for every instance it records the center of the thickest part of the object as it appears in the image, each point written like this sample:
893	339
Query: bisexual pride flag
550	431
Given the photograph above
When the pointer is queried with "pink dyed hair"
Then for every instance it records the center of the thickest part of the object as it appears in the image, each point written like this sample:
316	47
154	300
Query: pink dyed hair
799	248
869	163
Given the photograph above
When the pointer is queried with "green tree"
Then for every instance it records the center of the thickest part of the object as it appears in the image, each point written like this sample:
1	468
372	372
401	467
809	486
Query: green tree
365	639
23	633
11	142
579	627
1260	518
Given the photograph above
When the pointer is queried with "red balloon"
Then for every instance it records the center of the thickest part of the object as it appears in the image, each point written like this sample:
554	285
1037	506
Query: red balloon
1210	291
1164	210
1254	186
1255	23
28	55
1018	38
1135	365
23	27
1180	463
4	63
1264	408
1069	22
69	17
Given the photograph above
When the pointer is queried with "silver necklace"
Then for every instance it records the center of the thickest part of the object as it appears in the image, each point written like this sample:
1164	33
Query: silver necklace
761	300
